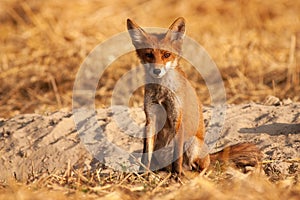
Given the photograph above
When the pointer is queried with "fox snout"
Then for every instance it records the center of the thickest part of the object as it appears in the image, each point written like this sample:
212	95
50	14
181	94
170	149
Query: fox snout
156	71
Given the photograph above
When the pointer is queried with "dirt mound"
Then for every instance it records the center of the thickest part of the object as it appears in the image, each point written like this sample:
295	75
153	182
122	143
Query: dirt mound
33	144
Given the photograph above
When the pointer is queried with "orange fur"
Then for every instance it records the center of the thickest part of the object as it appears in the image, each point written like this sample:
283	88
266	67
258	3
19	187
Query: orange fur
240	155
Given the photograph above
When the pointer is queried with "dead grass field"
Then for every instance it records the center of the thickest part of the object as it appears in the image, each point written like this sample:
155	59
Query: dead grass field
255	44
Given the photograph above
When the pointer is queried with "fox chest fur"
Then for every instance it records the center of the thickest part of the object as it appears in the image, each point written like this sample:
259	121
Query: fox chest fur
177	101
173	111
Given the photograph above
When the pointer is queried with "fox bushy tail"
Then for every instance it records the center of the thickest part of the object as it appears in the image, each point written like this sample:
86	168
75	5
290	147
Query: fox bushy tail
240	155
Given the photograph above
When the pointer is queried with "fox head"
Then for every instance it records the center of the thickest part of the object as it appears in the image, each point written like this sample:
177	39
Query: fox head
158	52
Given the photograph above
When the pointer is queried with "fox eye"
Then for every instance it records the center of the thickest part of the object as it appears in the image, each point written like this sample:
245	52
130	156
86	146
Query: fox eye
149	55
167	55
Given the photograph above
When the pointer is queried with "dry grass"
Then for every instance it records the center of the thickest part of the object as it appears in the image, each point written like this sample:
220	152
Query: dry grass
103	184
254	43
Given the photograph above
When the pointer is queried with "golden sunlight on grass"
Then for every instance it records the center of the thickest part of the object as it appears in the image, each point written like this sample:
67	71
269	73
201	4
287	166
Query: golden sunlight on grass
255	45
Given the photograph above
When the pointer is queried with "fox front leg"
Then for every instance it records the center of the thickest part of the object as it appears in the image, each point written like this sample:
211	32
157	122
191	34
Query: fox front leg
178	146
149	141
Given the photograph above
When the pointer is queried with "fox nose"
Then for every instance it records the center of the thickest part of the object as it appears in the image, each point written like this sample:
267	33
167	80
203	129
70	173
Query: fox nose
156	71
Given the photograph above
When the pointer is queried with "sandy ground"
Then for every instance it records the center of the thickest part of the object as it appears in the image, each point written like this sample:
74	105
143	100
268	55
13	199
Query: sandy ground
33	144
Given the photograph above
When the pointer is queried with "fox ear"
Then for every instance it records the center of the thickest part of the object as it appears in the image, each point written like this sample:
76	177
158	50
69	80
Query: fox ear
137	34
176	30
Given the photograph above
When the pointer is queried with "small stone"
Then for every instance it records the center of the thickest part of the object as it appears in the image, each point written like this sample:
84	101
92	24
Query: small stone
287	101
272	101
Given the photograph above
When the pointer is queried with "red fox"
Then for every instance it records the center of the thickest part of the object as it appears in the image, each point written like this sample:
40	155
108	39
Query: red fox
167	86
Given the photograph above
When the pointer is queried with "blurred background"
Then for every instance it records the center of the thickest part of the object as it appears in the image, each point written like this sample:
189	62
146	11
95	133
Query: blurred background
255	44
